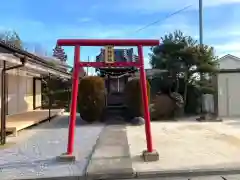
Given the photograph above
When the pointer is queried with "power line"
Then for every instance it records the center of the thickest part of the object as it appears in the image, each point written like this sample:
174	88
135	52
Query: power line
168	16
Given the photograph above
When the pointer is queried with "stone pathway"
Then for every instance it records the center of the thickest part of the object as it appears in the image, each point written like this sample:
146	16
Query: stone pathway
111	157
34	155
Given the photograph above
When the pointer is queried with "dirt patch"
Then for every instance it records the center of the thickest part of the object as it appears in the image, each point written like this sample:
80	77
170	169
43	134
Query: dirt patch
229	139
192	128
211	133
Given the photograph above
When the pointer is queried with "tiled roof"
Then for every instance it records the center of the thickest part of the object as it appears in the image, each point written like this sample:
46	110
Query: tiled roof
34	58
121	55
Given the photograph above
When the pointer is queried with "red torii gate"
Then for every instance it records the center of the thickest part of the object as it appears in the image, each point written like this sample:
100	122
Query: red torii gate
150	154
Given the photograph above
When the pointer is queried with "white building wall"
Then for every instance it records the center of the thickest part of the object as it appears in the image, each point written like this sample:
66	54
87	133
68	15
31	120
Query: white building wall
222	95
38	93
229	87
229	63
20	92
0	91
233	90
29	92
228	94
12	96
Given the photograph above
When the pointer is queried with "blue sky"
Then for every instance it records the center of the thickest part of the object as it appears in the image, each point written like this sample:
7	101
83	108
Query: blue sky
41	23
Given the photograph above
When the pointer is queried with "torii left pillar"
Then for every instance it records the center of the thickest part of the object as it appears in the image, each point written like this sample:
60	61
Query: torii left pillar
75	79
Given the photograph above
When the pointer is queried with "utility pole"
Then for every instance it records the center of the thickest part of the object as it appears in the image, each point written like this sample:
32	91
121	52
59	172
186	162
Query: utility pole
200	14
200	9
200	25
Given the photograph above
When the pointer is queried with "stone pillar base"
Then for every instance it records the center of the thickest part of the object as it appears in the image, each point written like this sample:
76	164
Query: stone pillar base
150	156
66	158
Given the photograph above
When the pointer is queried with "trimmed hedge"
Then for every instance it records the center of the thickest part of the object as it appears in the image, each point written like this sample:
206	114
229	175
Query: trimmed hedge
133	98
91	98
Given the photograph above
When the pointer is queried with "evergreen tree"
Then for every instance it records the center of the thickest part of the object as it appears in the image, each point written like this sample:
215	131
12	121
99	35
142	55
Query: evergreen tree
184	59
11	37
58	52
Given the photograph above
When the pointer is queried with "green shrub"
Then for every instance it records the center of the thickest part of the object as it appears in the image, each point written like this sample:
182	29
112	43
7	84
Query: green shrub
133	98
163	107
91	98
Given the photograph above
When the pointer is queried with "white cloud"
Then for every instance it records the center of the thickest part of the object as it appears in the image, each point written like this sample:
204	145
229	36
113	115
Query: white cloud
160	5
43	34
232	47
225	32
84	19
220	2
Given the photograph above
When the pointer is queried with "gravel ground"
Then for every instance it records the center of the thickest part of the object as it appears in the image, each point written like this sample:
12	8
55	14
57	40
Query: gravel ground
187	145
34	154
228	177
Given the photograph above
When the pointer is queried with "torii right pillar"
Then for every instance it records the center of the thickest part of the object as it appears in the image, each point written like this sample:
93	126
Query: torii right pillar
149	154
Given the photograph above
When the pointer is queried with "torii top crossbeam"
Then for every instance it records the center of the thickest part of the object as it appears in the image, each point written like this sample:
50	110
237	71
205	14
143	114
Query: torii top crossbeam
105	42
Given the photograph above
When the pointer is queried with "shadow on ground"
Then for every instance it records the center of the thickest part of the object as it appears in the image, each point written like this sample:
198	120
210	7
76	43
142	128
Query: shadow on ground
35	163
61	121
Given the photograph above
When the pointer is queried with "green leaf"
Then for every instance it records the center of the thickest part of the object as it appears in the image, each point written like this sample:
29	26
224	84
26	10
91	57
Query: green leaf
183	57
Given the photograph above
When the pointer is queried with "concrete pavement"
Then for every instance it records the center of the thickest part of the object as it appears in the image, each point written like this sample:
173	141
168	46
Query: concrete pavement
188	150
